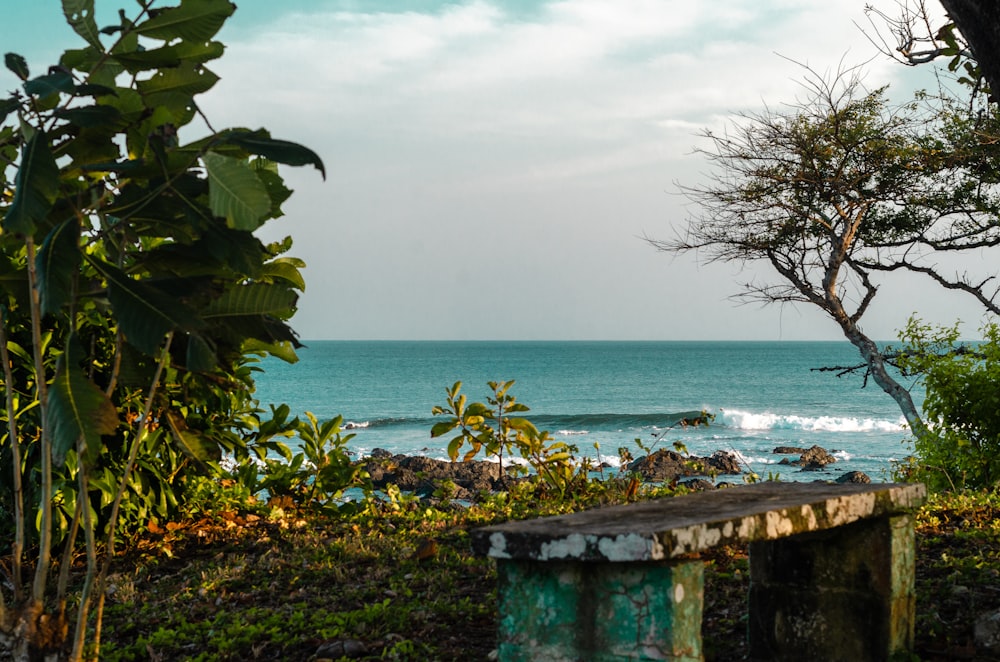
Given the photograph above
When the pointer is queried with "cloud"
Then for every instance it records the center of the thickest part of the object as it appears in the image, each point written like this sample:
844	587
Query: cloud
474	142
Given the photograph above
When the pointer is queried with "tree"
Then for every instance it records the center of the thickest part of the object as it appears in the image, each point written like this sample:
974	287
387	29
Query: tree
132	291
841	190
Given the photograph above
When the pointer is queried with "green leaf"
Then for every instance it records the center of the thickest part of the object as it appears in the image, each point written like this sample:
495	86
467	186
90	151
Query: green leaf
170	56
80	16
282	350
57	263
191	443
443	427
200	355
76	406
89	116
175	87
145	314
260	143
192	20
35	187
253	299
45	86
8	106
17	65
286	269
235	192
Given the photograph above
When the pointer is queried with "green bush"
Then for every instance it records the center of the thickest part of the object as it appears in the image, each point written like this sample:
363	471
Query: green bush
961	448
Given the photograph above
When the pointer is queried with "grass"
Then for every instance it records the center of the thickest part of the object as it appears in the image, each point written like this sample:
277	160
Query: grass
402	580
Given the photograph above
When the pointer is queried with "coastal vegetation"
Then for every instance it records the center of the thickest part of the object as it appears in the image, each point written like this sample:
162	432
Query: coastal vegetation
153	510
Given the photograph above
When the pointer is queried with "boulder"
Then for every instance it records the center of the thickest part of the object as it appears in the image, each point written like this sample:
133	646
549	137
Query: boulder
341	648
987	631
698	485
788	450
811	459
423	475
858	477
724	462
667	465
663	466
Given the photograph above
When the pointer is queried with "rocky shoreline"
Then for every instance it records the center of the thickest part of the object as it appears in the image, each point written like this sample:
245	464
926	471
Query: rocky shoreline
428	477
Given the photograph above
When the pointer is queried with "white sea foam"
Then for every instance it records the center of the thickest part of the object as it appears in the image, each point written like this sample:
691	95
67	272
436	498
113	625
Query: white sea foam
745	420
351	425
572	433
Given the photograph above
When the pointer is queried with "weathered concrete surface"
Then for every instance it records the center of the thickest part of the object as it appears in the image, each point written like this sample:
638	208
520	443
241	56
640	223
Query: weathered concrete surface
600	611
841	594
678	526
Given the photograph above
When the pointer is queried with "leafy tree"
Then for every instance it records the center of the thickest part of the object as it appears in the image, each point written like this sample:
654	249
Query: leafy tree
132	291
962	405
843	189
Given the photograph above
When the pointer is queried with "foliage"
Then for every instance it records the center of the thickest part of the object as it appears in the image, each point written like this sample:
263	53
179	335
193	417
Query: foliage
962	449
131	290
490	427
319	473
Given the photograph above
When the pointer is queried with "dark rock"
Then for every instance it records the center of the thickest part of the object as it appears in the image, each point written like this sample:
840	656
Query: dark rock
788	450
425	475
987	631
664	465
349	648
380	453
811	459
669	465
724	462
855	477
698	484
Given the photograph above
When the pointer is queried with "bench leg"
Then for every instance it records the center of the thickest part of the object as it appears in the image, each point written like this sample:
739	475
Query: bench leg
600	611
843	594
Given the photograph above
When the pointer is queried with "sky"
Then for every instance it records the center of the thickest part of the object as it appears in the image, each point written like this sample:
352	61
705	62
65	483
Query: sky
493	167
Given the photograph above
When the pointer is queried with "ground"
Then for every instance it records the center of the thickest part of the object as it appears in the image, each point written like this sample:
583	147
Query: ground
405	584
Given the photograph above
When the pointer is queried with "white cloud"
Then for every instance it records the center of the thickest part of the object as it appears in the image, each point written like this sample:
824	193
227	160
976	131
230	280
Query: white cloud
475	138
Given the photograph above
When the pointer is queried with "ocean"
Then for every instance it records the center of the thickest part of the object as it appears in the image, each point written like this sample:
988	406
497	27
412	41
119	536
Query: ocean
601	396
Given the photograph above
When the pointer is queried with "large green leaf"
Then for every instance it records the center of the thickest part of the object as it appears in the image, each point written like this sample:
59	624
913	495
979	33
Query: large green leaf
170	56
57	262
8	106
35	186
192	20
287	269
176	85
145	314
283	151
76	406
89	116
17	65
200	357
283	350
235	192
80	15
191	443
45	86
253	299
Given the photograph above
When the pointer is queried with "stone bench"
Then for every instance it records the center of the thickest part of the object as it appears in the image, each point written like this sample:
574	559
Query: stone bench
831	574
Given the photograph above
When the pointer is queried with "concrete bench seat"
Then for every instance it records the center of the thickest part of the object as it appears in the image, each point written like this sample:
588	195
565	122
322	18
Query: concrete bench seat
831	568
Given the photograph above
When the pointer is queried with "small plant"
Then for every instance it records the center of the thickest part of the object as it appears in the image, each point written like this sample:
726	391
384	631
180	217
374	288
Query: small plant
490	427
319	472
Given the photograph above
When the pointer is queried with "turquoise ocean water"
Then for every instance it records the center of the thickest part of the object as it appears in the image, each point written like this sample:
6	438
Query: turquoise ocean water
763	394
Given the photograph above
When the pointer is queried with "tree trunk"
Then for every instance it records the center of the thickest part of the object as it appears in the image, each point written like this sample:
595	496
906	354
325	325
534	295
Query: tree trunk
979	23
